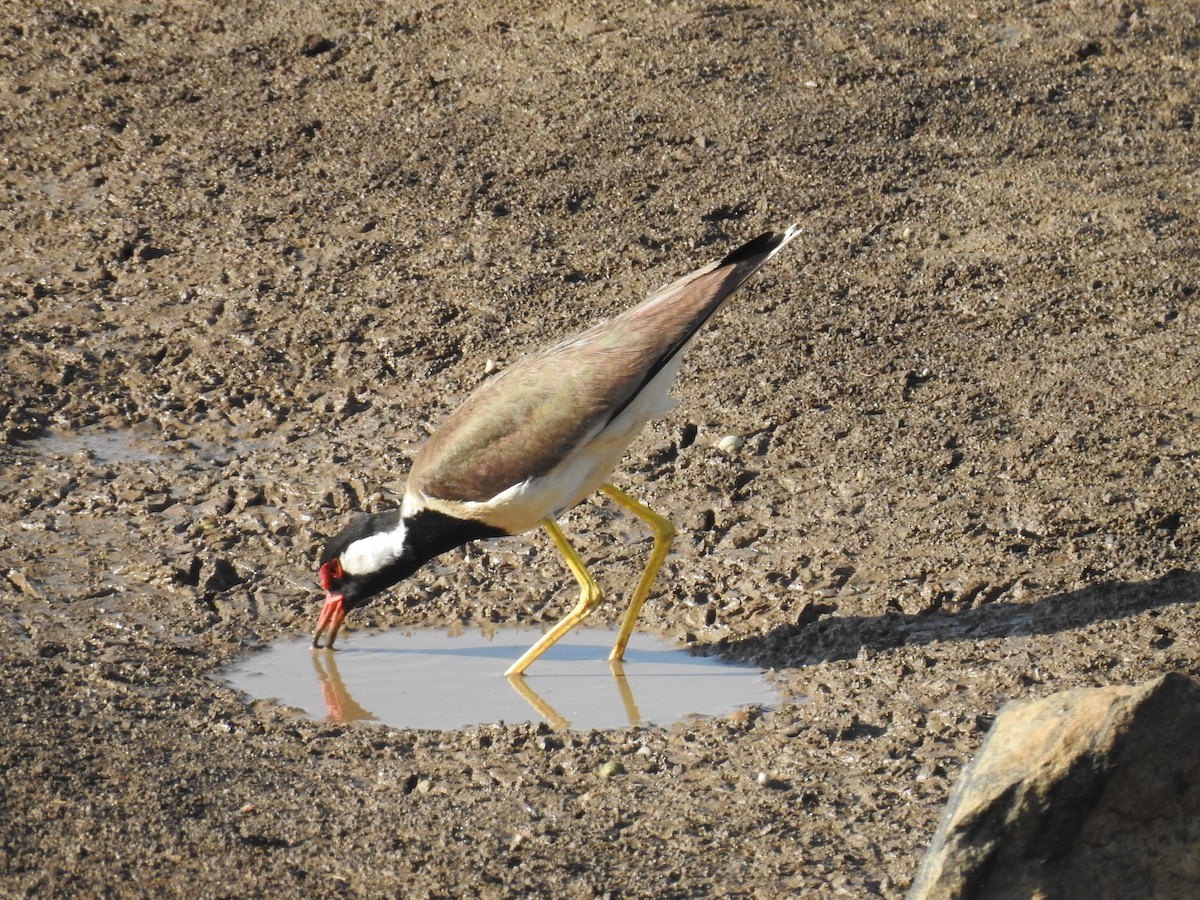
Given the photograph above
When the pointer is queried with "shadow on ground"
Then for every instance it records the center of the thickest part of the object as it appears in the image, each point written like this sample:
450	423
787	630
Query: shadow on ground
832	637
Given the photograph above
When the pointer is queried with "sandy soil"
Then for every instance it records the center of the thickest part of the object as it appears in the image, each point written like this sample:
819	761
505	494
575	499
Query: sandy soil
252	252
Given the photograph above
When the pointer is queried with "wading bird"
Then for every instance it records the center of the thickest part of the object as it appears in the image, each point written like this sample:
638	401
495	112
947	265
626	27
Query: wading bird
532	442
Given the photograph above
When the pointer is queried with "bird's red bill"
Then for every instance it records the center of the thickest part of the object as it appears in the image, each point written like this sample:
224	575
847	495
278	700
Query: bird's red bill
332	614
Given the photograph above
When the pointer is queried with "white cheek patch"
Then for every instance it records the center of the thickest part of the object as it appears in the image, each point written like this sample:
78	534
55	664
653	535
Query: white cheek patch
370	554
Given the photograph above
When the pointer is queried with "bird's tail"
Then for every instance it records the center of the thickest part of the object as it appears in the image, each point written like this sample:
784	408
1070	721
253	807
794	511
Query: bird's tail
666	322
695	297
759	250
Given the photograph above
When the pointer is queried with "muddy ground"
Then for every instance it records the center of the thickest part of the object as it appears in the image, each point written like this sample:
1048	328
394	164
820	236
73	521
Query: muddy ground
251	253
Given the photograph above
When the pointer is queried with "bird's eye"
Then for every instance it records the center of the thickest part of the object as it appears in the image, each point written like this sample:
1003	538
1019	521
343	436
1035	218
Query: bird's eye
329	573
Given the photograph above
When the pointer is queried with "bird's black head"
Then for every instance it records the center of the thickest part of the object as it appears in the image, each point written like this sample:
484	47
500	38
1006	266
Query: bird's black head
374	552
368	556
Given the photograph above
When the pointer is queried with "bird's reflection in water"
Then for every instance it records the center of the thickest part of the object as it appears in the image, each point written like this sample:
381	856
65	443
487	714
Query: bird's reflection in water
340	706
557	722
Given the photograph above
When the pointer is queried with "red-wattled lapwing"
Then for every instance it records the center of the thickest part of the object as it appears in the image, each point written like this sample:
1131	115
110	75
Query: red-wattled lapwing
532	442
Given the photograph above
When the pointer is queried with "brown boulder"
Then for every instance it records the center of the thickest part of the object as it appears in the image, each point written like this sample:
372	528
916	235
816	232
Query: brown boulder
1089	793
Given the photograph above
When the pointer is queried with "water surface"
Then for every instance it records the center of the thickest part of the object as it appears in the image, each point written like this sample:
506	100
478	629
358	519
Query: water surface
452	678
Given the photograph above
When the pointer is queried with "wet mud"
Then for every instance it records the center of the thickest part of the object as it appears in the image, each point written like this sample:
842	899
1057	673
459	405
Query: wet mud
252	254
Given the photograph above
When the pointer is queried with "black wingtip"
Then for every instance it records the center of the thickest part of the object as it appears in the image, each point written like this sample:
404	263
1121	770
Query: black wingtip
759	248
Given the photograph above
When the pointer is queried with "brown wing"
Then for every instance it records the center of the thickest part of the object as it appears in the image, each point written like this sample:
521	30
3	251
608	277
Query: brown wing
524	422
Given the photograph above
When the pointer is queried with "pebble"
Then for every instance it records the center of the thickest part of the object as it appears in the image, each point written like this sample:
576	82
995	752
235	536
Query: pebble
611	768
731	443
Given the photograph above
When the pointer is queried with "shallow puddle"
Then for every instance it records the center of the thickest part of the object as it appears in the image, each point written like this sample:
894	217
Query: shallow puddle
105	444
138	445
452	678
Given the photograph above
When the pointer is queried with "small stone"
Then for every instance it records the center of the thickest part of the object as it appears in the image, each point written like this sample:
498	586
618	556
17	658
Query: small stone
22	583
611	768
731	443
741	716
316	44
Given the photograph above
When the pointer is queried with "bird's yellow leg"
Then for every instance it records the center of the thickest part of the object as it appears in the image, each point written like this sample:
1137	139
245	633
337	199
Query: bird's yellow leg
664	533
589	599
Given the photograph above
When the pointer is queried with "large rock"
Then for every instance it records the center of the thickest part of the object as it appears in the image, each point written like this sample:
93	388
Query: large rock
1090	793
